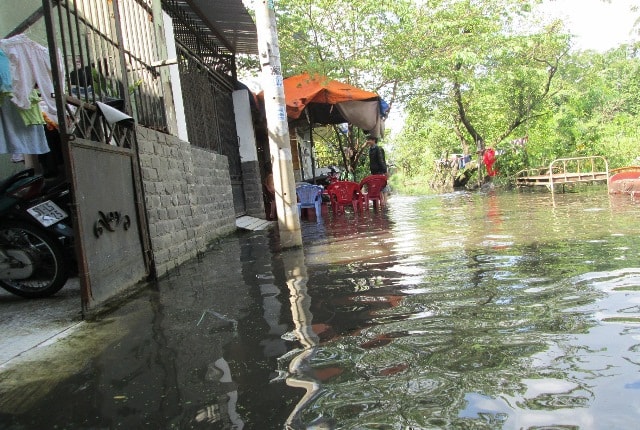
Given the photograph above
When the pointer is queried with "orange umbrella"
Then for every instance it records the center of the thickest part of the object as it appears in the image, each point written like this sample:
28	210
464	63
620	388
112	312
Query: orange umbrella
327	101
330	101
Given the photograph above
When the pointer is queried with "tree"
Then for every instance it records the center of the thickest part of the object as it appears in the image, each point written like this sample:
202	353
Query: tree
469	74
480	72
347	41
596	110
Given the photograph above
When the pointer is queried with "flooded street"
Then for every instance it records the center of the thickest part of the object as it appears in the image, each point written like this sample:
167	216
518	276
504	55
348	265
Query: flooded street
468	310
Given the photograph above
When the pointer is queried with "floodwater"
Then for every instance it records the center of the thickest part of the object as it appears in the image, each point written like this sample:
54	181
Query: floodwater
461	311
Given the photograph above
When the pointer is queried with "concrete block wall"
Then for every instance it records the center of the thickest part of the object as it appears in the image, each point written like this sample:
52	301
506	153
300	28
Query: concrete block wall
188	197
254	201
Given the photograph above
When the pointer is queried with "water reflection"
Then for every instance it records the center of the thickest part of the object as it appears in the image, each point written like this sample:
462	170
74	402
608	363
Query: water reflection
471	313
219	371
298	373
459	311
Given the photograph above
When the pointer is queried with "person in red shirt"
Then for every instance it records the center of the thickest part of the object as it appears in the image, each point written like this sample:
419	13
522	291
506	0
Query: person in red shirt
489	159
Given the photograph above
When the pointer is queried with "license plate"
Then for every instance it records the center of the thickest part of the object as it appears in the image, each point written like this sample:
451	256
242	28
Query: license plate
47	213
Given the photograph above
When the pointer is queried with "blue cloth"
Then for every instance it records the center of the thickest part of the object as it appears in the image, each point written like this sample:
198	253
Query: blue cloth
5	74
384	109
15	136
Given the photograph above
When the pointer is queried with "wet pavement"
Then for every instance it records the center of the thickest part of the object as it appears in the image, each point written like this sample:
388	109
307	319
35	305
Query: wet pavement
164	354
28	324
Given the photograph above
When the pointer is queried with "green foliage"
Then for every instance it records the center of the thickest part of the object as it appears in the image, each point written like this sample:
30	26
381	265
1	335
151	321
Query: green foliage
343	40
593	113
468	75
589	109
346	150
416	185
347	41
478	81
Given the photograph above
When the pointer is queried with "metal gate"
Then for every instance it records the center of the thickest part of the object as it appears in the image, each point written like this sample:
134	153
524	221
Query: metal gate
102	74
110	225
210	119
208	76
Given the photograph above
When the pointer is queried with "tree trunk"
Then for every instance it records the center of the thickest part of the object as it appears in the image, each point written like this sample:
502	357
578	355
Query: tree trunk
477	138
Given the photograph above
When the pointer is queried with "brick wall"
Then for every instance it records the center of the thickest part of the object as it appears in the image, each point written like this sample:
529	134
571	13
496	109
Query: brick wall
188	197
254	201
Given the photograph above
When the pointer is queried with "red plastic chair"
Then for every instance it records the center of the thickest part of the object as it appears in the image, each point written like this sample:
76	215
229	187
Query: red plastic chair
343	193
371	190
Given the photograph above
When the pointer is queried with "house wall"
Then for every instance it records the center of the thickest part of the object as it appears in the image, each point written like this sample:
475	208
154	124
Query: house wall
188	197
174	79
7	168
251	179
254	202
303	169
15	13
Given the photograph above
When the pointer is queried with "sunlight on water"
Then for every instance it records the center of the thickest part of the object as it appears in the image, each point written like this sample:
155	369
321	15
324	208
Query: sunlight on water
501	310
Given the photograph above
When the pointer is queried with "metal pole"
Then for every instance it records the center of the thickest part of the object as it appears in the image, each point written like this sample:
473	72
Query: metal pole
278	127
301	159
311	145
65	137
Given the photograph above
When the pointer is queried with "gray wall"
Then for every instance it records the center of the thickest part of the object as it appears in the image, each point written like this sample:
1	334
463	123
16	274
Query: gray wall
188	197
15	12
254	201
7	168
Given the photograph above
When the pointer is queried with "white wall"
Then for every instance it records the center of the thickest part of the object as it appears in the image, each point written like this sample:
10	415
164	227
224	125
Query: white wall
174	74
244	126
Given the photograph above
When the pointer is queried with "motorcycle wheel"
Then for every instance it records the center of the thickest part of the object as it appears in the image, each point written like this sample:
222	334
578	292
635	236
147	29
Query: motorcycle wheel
51	271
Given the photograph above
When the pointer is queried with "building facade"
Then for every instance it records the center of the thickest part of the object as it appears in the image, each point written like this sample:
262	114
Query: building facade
147	105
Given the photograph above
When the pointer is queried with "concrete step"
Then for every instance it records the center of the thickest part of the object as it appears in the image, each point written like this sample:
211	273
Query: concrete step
251	223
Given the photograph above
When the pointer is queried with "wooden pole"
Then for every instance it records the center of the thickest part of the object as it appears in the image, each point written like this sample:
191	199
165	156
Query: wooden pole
278	127
312	146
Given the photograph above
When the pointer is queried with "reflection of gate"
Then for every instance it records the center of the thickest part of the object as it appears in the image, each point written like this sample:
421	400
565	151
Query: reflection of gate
93	61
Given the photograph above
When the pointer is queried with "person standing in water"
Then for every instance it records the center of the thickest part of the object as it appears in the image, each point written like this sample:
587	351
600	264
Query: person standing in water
377	161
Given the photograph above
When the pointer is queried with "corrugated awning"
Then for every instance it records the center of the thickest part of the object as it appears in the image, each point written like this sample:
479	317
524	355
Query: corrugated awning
228	21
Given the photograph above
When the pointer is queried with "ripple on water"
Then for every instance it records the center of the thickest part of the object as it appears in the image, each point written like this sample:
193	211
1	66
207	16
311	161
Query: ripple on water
475	313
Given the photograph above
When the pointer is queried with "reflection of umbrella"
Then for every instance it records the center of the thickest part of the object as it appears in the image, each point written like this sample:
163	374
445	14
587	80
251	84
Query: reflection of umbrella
328	101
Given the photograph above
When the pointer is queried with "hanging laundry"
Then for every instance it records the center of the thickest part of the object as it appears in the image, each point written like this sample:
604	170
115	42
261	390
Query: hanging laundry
17	133
16	137
33	115
30	66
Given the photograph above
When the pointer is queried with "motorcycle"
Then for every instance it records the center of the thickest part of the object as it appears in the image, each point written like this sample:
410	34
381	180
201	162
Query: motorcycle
36	252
